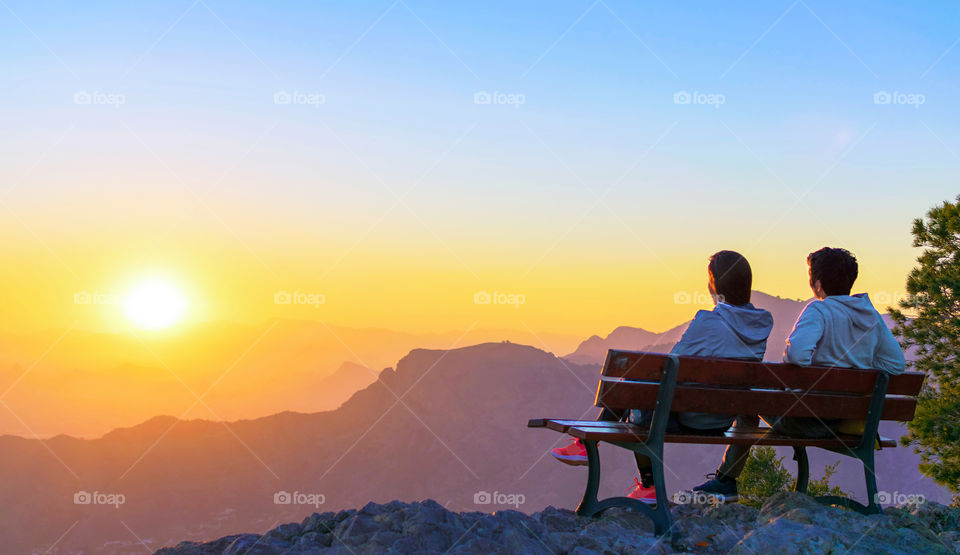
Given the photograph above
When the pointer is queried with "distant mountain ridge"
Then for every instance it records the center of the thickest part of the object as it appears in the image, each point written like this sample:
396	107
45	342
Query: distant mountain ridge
594	349
86	383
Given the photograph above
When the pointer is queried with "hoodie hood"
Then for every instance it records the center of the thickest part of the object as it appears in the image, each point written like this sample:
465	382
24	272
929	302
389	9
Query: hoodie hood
856	307
752	325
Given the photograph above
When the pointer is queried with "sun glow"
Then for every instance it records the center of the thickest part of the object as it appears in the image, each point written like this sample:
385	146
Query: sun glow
154	305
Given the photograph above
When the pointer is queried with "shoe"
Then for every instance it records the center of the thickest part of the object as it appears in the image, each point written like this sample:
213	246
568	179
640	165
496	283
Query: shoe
642	494
573	454
724	490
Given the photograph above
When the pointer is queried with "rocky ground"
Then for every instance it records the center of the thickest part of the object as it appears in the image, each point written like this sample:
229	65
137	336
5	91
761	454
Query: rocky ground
787	523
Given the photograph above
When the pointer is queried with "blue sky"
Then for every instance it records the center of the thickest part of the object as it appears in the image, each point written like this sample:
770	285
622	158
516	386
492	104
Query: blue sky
598	115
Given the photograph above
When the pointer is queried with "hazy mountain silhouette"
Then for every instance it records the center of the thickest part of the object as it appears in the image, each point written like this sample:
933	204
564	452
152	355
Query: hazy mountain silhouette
594	349
329	392
457	429
85	384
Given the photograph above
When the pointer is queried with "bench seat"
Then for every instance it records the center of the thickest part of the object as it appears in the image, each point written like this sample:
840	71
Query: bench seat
613	432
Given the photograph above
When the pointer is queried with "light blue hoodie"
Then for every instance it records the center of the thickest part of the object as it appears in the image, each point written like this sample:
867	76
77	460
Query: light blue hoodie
727	331
844	331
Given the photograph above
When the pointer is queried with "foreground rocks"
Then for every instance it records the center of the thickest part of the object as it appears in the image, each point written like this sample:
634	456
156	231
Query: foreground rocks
787	523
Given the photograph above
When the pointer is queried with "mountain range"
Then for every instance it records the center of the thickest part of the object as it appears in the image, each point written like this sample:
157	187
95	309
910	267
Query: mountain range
85	384
444	424
594	349
447	425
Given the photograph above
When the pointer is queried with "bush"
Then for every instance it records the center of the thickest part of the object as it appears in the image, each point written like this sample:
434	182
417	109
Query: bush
764	475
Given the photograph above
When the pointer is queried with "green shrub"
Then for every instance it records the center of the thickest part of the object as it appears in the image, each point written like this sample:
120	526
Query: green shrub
764	475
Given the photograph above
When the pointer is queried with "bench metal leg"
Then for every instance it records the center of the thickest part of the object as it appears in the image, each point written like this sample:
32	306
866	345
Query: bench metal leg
653	448
590	506
865	456
661	515
869	471
803	468
865	453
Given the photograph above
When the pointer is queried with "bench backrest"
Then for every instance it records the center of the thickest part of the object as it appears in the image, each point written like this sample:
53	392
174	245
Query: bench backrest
632	379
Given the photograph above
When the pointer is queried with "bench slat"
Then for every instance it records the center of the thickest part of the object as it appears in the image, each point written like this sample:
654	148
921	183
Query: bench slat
627	432
759	436
639	365
617	394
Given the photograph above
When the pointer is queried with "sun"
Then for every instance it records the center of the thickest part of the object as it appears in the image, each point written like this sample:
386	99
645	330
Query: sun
154	304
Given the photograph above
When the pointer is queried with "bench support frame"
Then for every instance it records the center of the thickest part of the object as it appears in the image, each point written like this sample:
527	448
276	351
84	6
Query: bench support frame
652	447
864	452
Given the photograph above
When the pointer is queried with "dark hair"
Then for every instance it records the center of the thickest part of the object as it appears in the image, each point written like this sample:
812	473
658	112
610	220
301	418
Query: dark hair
836	269
731	277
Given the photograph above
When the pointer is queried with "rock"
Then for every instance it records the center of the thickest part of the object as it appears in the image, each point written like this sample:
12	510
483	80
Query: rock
951	540
626	519
785	536
783	502
939	518
787	523
559	520
734	514
319	523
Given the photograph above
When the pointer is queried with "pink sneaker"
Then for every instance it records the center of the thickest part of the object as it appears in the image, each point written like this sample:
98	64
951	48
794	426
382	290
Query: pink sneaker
642	494
574	454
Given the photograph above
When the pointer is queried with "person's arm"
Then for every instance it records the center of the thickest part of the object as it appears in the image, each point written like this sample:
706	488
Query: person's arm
803	340
889	356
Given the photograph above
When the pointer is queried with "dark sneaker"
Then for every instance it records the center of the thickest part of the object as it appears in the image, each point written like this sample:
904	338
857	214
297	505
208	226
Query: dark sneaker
722	489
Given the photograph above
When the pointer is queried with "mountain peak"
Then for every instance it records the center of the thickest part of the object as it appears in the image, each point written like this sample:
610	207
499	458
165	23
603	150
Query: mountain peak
594	350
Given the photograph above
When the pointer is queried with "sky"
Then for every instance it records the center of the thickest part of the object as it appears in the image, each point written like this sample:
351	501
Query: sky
429	166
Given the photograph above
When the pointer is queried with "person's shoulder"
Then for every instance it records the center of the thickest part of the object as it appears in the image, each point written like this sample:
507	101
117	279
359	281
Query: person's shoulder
705	319
814	307
705	316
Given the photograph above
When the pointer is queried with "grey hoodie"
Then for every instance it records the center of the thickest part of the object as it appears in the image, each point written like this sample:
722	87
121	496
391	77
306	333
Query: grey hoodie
727	331
844	331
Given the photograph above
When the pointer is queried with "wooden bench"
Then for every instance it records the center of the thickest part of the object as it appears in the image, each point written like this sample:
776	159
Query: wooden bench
665	383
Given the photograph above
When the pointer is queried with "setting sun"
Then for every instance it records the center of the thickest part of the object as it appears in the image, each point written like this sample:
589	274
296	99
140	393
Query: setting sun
154	305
